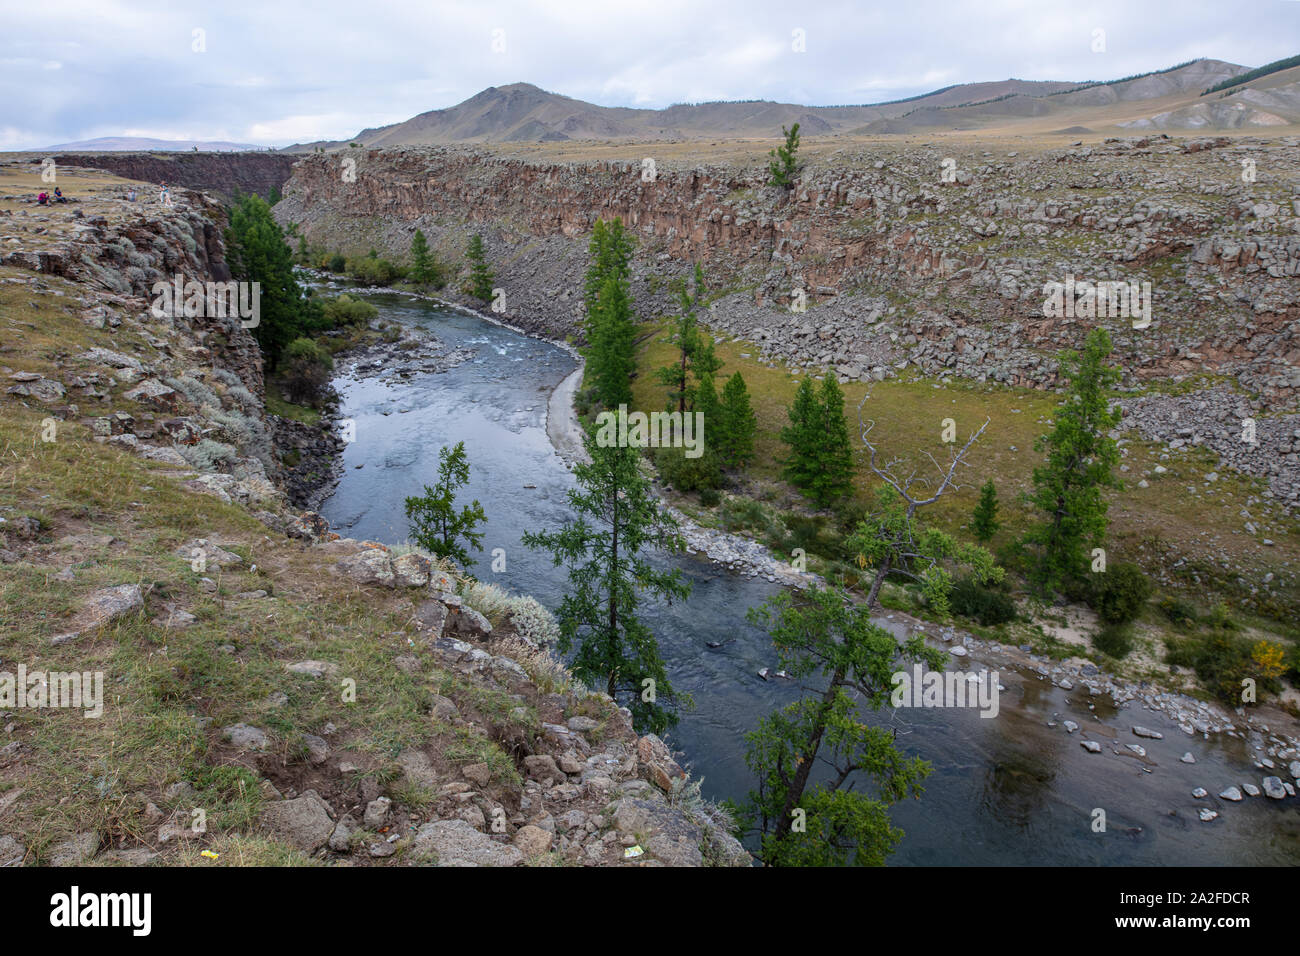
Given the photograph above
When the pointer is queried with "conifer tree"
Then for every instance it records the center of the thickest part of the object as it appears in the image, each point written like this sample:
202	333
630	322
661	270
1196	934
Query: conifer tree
436	525
480	275
610	326
617	519
424	271
1081	458
739	424
984	520
800	466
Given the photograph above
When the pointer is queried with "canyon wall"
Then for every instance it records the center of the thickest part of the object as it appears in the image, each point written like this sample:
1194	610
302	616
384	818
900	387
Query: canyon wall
220	173
904	255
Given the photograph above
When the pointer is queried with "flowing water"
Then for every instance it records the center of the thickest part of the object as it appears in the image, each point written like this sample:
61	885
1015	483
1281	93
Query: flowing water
1008	790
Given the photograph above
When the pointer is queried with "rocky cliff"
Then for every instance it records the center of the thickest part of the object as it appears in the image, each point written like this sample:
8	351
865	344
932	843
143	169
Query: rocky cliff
904	256
219	173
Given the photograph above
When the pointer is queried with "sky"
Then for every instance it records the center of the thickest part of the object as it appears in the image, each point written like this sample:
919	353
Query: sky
276	72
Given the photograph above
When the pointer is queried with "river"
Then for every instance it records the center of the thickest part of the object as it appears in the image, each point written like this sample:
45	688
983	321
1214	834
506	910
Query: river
1004	791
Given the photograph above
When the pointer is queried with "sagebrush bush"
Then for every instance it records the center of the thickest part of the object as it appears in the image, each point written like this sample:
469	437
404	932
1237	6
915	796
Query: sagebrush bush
194	390
209	455
530	619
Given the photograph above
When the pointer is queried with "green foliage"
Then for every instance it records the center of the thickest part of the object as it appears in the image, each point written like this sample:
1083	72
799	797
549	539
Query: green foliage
979	602
436	525
687	474
424	270
1114	640
373	271
337	263
828	644
257	252
480	276
1120	592
610	329
616	519
1255	74
1177	611
1221	660
1081	459
347	310
735	439
710	497
821	457
690	342
784	164
892	539
305	371
984	520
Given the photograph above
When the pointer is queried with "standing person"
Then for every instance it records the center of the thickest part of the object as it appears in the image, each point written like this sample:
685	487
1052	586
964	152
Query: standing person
165	194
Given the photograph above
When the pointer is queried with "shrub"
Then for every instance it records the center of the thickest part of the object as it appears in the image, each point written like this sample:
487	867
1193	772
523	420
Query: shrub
710	497
1120	593
979	602
1114	640
346	310
737	514
1222	662
1177	611
687	474
194	390
209	455
373	271
305	371
337	263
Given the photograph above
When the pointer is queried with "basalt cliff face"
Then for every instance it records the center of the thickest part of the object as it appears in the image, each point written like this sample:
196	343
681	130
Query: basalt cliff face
904	255
219	173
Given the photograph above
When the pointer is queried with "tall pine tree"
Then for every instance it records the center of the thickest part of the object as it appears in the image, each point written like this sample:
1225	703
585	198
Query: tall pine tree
480	276
1081	461
610	327
617	518
739	423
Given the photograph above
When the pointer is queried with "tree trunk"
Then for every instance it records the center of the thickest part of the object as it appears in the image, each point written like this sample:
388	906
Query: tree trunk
877	583
809	757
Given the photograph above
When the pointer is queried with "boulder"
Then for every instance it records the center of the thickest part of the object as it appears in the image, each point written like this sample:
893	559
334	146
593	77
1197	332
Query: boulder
412	570
373	566
303	823
468	623
102	608
533	841
457	843
656	764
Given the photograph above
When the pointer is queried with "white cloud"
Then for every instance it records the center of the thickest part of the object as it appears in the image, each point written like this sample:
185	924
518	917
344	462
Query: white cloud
297	71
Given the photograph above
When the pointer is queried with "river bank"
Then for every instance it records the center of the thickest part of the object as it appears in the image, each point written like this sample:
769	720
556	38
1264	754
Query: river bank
988	774
744	556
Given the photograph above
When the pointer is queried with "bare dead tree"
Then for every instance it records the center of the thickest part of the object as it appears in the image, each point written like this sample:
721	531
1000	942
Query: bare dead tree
893	540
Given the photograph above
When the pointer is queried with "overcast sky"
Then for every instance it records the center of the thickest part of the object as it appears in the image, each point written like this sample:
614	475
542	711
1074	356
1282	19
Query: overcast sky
274	73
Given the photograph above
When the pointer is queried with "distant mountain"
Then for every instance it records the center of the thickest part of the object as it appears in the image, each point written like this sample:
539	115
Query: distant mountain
1172	98
136	144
